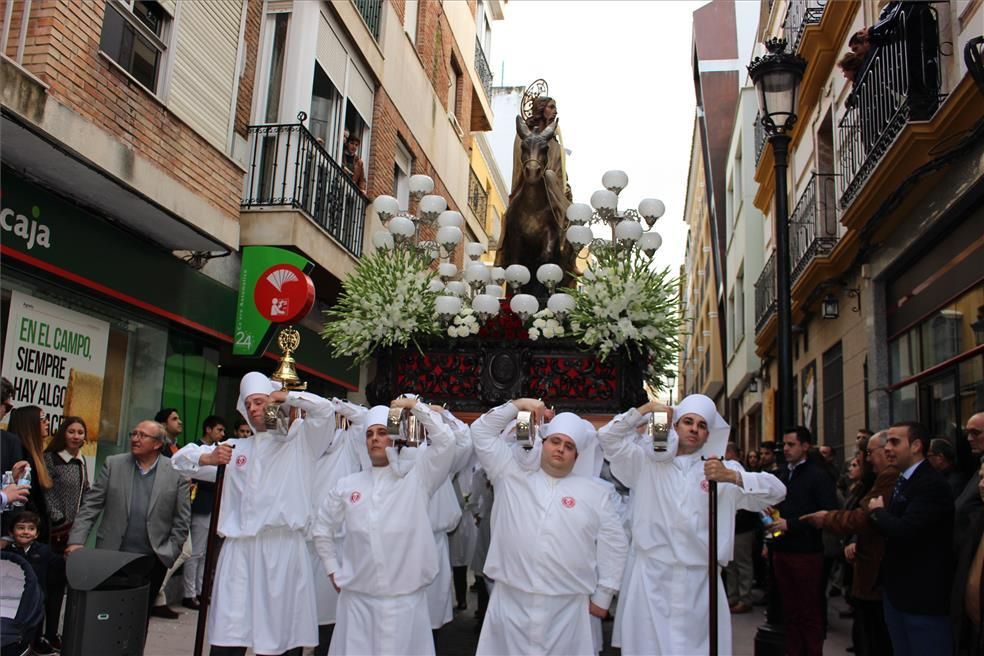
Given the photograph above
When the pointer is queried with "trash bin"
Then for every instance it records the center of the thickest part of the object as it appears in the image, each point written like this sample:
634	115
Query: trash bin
106	613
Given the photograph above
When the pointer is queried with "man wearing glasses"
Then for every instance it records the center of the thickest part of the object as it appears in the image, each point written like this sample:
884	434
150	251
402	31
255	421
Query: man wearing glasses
969	503
145	505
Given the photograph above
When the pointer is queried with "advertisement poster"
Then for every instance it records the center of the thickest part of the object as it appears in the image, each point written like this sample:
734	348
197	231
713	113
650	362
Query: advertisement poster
56	359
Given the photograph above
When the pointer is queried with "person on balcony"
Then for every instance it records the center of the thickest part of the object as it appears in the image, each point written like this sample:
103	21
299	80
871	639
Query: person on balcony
352	163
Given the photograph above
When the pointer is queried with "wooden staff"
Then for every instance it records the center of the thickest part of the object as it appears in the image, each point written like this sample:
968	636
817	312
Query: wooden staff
211	557
712	524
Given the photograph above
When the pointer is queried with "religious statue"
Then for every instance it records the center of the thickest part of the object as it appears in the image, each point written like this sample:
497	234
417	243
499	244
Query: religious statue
535	224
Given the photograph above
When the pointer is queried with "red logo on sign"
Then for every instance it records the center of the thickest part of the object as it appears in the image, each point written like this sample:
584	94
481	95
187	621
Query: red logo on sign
283	293
355	497
704	485
568	502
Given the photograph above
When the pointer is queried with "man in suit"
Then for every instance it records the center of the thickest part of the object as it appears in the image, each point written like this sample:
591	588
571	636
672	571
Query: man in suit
145	505
797	554
968	505
916	522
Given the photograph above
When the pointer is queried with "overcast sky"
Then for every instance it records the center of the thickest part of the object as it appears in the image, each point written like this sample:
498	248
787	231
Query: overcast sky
621	74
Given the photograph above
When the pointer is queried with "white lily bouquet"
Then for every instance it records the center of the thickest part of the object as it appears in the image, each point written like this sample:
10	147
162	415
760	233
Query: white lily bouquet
621	304
387	301
546	325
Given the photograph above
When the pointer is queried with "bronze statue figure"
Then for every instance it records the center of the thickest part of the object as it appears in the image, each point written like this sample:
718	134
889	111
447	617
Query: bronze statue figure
535	223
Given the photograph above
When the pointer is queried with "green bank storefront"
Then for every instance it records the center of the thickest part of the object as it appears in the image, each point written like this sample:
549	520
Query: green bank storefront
101	322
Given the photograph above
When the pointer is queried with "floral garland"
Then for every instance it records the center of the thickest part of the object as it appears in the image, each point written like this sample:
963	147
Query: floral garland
621	304
387	301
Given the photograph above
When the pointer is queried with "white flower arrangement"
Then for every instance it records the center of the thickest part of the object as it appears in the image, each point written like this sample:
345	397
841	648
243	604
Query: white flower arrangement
546	325
623	305
385	302
465	323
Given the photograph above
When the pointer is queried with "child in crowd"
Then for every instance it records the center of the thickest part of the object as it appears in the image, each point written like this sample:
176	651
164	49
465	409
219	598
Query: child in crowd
43	560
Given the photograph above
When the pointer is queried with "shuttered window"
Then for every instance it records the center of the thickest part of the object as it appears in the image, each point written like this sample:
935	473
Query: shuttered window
203	75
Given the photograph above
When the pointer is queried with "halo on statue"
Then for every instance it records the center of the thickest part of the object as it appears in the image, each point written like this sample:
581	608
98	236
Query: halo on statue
535	90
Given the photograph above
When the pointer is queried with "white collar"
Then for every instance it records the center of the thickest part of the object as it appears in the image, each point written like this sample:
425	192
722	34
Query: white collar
907	474
68	457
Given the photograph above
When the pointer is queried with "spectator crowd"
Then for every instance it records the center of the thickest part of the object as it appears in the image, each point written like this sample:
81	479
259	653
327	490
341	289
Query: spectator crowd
365	537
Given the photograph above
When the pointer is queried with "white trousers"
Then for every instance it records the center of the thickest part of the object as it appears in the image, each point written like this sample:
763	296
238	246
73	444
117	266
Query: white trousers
178	562
194	570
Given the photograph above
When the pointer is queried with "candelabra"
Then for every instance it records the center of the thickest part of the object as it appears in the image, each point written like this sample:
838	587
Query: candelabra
480	286
625	225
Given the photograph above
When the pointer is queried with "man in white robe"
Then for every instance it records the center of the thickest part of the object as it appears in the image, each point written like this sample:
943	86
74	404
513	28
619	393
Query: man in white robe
664	604
558	548
263	596
341	458
444	513
388	556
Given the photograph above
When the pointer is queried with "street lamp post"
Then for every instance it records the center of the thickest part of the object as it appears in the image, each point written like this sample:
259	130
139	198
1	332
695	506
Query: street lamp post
777	76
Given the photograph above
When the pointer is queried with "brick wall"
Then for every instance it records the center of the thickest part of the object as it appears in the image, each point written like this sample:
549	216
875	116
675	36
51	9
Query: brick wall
62	50
388	127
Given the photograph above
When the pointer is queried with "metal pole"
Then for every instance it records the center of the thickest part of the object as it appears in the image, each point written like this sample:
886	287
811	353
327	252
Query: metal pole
770	639
712	493
211	557
784	339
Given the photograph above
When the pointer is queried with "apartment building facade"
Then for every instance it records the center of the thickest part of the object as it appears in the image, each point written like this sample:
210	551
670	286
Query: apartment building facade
886	183
153	150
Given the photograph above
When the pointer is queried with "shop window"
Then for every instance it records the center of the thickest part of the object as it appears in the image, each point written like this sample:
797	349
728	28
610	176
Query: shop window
905	405
190	381
941	337
133	35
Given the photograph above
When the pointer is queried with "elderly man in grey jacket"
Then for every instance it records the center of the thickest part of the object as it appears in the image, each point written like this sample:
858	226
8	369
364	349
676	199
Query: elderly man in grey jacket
145	505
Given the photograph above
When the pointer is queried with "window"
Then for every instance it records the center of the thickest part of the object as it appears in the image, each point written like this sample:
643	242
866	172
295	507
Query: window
483	27
402	166
454	88
133	34
833	396
410	19
277	54
740	305
732	320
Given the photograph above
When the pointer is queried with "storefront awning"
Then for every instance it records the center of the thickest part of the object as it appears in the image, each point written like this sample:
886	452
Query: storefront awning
40	158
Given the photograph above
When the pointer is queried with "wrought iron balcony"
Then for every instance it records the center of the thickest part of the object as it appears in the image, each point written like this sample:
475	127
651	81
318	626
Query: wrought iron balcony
478	198
900	82
759	138
482	68
765	294
371	11
799	14
813	223
289	168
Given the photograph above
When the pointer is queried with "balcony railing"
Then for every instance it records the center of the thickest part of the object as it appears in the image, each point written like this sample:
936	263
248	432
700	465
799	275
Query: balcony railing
765	294
899	83
371	11
482	68
813	224
759	138
799	14
289	168
478	198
